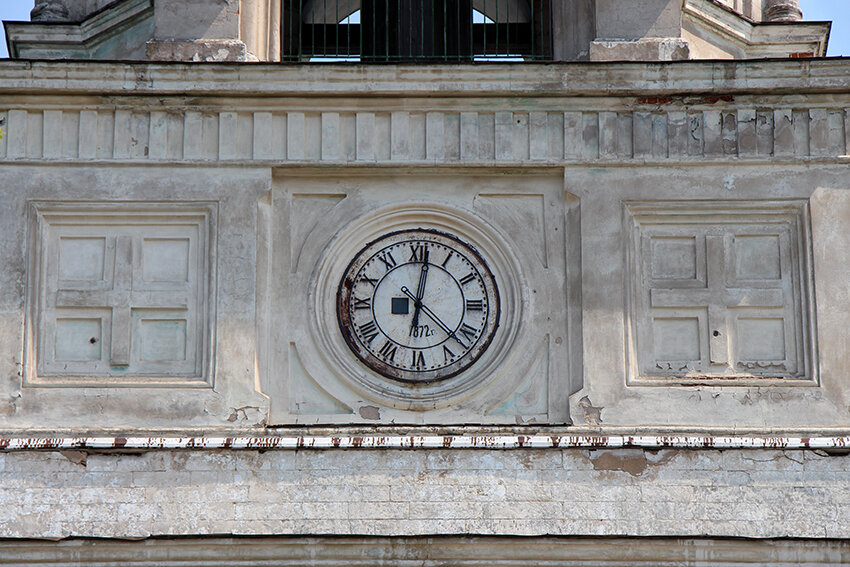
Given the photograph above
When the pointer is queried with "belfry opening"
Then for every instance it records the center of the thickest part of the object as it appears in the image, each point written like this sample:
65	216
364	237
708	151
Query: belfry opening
416	30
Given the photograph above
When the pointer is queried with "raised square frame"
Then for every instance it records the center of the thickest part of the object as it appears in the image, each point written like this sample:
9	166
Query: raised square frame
761	291
110	287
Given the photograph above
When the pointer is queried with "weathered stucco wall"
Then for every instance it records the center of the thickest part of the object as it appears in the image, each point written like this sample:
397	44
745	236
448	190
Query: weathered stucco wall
568	169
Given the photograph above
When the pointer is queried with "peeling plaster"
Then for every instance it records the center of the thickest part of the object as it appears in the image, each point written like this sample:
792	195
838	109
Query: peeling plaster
592	414
369	412
76	457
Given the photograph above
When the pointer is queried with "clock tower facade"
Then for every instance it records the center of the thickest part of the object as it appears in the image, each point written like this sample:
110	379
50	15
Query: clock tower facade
310	282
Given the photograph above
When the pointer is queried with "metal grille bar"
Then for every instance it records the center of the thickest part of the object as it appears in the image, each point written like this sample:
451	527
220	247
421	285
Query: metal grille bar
433	31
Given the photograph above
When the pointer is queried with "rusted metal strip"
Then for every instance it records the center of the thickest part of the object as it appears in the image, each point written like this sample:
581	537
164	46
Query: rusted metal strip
495	442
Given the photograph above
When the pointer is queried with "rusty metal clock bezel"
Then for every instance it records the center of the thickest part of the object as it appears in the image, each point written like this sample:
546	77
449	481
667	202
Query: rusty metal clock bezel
413	377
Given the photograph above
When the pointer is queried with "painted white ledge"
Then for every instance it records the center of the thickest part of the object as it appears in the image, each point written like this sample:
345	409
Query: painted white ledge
426	442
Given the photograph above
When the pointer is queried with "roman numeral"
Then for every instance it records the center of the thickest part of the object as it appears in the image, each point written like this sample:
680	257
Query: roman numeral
374	283
475	305
449	257
369	331
447	354
467	331
365	303
388	351
467	278
418	359
418	252
388	260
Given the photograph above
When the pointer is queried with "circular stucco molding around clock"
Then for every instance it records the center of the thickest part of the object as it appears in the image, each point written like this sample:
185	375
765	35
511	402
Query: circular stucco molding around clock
497	369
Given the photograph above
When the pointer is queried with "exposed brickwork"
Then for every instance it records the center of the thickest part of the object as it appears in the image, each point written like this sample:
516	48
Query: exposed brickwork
743	493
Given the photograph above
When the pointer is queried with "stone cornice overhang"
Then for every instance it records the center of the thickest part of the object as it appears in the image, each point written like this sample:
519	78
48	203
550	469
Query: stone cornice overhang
769	76
107	22
766	39
457	550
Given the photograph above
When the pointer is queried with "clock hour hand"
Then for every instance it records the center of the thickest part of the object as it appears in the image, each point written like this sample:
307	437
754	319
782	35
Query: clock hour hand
433	316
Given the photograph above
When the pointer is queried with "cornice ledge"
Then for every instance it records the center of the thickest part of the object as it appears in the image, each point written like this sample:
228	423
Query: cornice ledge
541	80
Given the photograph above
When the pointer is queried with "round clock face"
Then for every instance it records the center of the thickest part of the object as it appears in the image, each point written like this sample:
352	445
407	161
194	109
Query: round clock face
418	305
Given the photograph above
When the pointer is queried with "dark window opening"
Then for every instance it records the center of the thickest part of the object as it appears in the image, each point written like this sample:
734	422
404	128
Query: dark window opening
416	30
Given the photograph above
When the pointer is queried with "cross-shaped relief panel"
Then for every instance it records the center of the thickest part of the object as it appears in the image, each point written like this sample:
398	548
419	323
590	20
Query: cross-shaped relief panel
719	291
120	294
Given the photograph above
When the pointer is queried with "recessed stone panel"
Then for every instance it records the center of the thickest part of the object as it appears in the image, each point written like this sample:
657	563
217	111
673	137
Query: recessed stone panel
757	257
162	340
78	340
676	339
166	259
674	257
718	291
122	295
761	339
82	258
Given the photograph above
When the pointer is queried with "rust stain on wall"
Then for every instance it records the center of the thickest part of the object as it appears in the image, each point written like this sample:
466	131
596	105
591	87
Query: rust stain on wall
632	461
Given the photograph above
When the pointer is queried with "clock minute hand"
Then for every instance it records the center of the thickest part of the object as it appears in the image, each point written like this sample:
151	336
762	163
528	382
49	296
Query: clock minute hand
434	317
420	292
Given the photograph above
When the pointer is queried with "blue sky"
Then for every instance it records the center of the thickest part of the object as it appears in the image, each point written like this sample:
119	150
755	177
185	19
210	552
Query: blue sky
836	10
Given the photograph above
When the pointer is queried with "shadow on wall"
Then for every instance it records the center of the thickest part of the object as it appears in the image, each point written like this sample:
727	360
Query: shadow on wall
616	19
212	19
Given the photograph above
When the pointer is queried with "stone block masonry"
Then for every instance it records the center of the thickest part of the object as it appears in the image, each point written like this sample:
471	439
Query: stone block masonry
380	492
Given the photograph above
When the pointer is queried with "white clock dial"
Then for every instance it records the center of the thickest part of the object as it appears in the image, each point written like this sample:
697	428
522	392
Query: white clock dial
418	305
